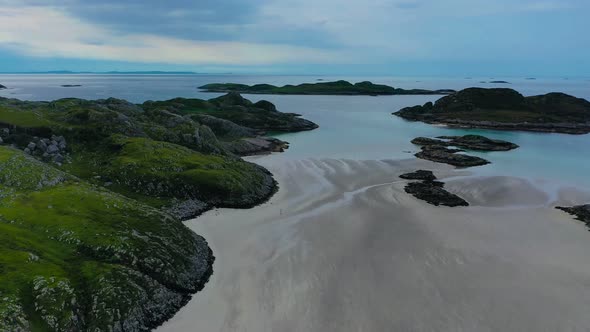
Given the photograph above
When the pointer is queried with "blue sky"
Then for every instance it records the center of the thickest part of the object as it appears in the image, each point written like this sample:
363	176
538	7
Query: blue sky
348	37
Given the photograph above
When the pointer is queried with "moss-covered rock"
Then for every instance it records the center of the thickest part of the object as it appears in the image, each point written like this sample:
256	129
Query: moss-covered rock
77	257
94	242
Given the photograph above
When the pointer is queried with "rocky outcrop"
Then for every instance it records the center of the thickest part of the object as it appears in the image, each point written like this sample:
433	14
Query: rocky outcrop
261	116
52	149
438	149
419	175
581	212
434	193
2	87
444	155
505	109
471	142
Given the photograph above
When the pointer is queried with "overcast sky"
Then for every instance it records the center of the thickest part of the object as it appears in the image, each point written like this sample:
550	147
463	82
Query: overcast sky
371	37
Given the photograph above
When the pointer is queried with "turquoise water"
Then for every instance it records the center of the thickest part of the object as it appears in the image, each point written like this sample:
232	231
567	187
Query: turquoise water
354	127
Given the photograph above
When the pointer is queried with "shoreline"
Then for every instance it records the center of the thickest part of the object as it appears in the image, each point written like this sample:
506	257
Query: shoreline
276	263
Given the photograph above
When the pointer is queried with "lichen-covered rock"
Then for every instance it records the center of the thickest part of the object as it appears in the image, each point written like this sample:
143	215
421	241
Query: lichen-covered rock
56	303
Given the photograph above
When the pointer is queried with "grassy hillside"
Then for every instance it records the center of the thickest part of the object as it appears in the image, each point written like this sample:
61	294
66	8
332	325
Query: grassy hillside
91	197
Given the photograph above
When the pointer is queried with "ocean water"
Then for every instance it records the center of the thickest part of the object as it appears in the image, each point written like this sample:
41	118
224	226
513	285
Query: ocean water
353	127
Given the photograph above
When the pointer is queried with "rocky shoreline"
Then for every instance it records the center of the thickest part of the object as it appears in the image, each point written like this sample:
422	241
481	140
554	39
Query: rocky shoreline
98	190
505	109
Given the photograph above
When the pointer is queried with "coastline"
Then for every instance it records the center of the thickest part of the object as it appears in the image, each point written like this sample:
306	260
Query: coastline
334	251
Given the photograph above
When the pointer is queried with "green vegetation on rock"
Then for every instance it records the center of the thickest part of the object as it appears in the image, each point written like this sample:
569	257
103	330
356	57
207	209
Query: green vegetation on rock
505	109
91	198
323	88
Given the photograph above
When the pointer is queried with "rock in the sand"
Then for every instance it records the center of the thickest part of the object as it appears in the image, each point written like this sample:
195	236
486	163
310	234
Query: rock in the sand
419	175
582	212
444	155
433	192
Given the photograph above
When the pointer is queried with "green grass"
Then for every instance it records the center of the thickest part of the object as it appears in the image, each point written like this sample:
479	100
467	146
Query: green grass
24	118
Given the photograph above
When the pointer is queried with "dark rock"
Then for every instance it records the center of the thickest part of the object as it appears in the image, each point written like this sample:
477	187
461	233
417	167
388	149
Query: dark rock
419	175
53	148
434	193
582	212
505	109
266	105
477	142
471	142
499	82
449	156
2	87
70	85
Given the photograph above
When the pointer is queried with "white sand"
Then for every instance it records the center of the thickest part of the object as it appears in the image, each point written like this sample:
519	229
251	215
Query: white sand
342	247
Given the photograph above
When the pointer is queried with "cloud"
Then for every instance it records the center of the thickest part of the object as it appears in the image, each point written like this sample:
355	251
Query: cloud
50	32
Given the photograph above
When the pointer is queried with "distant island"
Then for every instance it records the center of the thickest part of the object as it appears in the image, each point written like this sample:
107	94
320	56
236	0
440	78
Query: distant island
69	72
93	194
505	109
324	88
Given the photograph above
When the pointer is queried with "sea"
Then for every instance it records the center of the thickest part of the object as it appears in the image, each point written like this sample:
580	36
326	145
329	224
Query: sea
353	127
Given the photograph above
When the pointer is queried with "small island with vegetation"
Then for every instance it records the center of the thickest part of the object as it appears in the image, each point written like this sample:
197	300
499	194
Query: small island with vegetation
505	109
92	194
323	88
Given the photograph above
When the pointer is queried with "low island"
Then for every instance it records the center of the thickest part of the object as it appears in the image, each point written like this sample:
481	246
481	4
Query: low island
505	109
92	194
324	88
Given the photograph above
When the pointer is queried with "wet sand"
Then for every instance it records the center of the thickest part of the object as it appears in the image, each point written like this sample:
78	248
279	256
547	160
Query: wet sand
342	247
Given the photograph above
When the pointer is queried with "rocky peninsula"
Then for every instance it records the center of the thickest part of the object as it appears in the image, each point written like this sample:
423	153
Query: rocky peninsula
324	88
91	198
505	109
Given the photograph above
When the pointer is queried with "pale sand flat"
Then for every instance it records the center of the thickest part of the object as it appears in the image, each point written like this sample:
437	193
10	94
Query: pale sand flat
342	247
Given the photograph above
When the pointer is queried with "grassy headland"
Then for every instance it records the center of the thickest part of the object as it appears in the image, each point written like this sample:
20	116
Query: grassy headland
91	198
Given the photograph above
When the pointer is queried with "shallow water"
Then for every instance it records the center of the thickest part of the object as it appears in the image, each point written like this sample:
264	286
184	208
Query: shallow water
354	127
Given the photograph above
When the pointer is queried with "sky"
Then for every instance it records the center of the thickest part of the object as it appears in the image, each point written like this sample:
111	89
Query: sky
540	38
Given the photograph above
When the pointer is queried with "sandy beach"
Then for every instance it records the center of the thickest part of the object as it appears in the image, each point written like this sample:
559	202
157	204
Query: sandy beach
342	247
